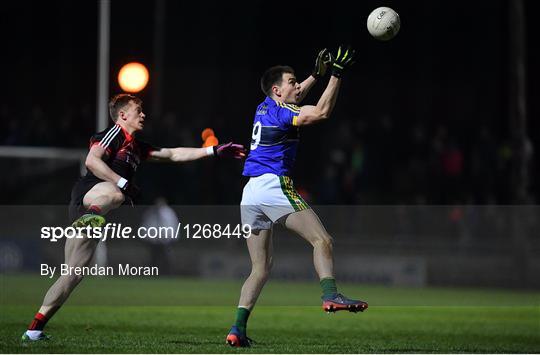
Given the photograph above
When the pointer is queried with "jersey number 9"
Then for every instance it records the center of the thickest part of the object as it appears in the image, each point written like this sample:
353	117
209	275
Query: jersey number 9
256	136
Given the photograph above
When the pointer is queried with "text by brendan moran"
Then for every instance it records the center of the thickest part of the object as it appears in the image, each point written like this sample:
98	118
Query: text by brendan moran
95	270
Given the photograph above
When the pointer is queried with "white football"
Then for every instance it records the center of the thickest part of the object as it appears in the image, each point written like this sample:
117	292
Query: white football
383	23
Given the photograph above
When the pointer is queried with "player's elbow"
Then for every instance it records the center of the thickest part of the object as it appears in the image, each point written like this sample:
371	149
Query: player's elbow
179	157
165	154
321	114
314	118
325	112
324	116
176	158
89	162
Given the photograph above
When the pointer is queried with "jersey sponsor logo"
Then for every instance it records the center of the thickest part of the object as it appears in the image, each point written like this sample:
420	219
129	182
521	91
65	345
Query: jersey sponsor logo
263	110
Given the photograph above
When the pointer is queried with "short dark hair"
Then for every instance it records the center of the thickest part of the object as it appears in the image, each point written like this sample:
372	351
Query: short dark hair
118	102
273	76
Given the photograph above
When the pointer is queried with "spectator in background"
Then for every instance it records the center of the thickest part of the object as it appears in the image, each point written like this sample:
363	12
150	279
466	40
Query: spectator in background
452	170
161	215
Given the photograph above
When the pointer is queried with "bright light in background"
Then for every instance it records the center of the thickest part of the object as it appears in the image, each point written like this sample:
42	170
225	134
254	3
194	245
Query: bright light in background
133	77
209	138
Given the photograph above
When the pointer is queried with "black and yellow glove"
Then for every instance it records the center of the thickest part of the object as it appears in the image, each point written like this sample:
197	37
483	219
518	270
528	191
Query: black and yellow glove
342	60
324	58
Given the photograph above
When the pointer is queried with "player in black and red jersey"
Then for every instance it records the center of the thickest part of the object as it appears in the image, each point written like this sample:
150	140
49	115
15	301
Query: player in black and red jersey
112	162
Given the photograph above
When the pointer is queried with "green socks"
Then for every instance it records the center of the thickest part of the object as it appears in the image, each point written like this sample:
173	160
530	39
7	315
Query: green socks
242	315
328	285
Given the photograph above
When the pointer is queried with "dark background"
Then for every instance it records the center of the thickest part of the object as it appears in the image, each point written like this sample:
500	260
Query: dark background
423	118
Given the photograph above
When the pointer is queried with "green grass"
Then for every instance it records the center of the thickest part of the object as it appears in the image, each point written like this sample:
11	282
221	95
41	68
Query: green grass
168	315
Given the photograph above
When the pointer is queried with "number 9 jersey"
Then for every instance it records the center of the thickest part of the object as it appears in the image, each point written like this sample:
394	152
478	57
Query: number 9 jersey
274	139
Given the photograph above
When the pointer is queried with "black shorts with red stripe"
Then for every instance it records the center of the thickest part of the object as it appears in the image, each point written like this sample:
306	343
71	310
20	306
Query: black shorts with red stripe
81	187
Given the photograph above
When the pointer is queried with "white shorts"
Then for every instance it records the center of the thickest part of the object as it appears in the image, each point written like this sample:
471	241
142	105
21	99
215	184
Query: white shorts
267	198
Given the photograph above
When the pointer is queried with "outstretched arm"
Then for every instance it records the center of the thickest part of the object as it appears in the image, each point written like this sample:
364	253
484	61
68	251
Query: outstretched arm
180	154
323	59
312	114
184	154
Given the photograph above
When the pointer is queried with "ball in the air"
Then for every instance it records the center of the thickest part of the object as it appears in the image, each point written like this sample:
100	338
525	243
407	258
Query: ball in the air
383	23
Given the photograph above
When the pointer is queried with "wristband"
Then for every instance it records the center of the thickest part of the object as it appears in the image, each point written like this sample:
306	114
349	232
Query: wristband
210	151
122	183
337	71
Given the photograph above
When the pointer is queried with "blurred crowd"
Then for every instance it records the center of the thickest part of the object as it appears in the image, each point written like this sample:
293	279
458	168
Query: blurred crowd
370	161
32	126
379	163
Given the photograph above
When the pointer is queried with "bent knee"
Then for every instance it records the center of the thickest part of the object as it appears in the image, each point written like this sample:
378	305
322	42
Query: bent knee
324	241
117	198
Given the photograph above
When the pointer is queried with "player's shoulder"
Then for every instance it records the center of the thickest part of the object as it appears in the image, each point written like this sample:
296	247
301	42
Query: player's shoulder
108	132
276	108
105	137
288	107
274	113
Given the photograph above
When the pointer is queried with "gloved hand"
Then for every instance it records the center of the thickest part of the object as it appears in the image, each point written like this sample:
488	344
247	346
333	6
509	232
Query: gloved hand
321	63
342	60
230	150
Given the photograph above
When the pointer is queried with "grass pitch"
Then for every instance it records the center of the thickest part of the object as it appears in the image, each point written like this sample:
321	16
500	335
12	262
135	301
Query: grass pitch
169	315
